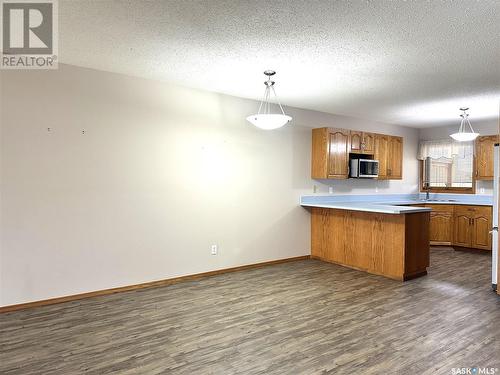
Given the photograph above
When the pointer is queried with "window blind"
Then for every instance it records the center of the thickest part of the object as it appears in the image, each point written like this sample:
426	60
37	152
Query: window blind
451	162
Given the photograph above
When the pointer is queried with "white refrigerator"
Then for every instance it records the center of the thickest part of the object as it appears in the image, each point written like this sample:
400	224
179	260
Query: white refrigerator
494	230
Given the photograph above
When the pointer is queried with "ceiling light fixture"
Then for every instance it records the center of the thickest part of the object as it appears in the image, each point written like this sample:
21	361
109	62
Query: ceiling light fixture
464	134
267	120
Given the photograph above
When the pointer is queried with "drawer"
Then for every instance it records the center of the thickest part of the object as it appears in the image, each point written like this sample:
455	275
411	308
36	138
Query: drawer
441	207
441	213
474	210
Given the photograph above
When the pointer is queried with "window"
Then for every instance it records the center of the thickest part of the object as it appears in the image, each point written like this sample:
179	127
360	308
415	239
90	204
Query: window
451	165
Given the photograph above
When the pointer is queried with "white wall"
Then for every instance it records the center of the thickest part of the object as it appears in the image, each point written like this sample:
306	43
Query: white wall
484	127
161	173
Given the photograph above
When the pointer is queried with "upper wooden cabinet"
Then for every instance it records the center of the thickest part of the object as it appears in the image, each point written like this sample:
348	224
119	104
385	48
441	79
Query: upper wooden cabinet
381	154
369	143
331	148
362	143
330	153
388	151
395	158
484	156
356	140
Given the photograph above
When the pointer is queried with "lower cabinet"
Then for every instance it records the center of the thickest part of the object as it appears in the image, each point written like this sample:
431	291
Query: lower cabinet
441	225
481	238
472	227
459	225
462	231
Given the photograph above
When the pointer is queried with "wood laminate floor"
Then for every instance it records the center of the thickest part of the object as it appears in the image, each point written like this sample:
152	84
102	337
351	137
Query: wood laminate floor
304	317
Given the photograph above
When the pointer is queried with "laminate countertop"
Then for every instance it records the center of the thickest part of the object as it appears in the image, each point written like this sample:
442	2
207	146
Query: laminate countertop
384	208
389	204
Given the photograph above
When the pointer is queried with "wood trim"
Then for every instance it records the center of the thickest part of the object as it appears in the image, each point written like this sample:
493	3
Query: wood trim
151	284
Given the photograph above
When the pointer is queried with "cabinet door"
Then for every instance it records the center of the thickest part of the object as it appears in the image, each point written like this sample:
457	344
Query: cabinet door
368	145
356	141
481	237
441	228
338	153
381	151
462	230
395	159
484	157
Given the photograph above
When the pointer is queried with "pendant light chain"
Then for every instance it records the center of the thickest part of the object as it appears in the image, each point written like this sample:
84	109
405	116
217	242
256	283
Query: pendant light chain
266	100
276	96
465	121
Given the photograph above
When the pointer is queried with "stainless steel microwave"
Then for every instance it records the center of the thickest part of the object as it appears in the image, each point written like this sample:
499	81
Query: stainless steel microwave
363	168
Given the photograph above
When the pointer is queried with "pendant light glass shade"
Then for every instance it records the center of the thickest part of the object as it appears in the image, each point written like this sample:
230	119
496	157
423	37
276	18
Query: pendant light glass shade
465	132
269	121
264	119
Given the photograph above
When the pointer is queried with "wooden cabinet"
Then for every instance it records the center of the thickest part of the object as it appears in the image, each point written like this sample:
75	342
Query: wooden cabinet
331	148
395	246
481	226
330	153
441	224
484	156
369	143
381	154
362	143
356	140
462	229
395	158
460	225
472	225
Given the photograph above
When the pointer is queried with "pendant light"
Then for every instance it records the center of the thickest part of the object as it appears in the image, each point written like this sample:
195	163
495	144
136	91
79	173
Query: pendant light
465	132
264	119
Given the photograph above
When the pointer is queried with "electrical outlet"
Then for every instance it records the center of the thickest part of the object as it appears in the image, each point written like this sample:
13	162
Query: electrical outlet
213	249
330	190
315	189
376	189
481	191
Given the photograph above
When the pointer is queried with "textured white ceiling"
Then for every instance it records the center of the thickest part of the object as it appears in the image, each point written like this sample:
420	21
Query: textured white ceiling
405	62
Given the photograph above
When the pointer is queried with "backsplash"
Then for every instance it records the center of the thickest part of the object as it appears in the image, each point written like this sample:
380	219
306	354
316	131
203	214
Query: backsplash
331	198
467	198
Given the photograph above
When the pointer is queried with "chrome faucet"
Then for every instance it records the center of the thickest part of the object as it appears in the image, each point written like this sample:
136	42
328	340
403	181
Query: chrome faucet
427	177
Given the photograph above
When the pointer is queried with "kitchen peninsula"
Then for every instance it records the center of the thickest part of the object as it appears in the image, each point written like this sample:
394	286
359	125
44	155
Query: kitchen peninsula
383	238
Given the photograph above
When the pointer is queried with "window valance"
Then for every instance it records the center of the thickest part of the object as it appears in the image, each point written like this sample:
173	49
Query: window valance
445	150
